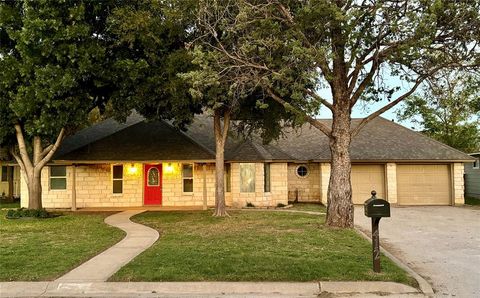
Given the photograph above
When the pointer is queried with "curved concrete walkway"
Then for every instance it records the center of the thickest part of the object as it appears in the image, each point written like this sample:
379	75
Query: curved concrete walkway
104	265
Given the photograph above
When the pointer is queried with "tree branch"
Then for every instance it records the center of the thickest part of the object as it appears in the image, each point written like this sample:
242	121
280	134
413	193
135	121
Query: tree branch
320	99
372	116
54	148
20	163
314	122
22	147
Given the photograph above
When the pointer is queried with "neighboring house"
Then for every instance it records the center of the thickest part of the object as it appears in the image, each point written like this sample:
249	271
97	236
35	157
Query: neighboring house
9	176
141	163
472	177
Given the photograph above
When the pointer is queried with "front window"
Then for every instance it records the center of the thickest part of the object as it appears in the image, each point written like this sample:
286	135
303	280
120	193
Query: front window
4	173
476	164
302	171
153	177
247	177
117	179
187	175
58	177
266	177
228	177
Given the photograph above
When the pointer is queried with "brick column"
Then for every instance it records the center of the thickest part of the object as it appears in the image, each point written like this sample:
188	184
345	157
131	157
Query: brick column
391	181
324	180
457	171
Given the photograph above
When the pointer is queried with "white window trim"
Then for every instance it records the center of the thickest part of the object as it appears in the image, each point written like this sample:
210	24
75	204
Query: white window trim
478	164
50	179
302	165
183	179
116	179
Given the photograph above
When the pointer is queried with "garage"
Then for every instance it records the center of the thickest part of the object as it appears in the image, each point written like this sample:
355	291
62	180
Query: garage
423	185
366	178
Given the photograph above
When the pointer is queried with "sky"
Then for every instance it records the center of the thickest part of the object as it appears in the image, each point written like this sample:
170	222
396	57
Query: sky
363	109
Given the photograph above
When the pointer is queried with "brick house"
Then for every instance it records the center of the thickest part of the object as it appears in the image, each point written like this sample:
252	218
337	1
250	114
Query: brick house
141	163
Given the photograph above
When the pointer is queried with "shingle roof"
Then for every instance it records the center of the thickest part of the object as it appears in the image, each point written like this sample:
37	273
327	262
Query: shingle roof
140	141
137	139
379	140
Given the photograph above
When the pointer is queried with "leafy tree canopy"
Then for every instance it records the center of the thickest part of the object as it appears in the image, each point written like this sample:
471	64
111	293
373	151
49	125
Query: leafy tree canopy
448	110
52	57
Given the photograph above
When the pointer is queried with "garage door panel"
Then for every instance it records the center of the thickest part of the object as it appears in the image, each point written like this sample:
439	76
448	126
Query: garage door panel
366	178
423	185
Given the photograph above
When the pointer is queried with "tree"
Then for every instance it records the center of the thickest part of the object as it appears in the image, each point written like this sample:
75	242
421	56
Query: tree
448	110
163	78
291	49
52	58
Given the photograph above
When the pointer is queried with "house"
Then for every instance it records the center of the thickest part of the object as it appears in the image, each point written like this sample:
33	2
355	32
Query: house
9	176
472	177
142	163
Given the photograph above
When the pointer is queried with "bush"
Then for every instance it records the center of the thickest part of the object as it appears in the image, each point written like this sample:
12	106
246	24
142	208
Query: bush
32	213
250	204
281	205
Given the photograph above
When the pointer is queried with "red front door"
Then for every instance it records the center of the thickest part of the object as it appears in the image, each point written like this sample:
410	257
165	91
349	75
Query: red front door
153	185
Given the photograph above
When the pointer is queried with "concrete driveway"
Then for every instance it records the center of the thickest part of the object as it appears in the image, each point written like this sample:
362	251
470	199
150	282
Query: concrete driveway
440	243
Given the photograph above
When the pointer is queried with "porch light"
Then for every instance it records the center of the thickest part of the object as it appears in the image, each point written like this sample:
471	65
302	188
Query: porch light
169	168
132	170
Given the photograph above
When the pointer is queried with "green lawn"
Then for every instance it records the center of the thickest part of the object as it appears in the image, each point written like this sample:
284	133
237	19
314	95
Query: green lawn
472	201
9	205
309	207
253	246
43	249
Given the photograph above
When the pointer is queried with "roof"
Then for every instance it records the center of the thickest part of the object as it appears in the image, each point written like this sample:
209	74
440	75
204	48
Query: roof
133	141
379	140
141	140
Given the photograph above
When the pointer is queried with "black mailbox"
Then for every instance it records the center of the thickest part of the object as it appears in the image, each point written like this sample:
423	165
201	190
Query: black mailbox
376	207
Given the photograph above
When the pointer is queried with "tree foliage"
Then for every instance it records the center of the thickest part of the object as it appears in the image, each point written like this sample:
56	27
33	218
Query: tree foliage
291	49
448	110
53	72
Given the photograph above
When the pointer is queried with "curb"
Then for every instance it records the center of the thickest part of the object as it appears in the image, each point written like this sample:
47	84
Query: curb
203	289
425	287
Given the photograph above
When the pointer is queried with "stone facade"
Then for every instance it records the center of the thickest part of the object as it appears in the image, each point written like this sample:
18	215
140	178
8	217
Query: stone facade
94	187
306	189
324	180
458	183
391	181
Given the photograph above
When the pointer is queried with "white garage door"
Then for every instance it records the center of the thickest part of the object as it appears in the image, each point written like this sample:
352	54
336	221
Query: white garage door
366	178
423	185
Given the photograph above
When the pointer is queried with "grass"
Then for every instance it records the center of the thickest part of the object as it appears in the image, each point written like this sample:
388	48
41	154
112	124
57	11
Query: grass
253	246
4	205
472	201
309	207
44	249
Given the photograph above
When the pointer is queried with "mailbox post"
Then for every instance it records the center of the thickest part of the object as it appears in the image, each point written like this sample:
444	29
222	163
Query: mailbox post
376	209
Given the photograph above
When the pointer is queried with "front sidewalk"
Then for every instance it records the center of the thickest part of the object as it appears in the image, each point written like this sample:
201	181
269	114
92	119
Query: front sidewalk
104	265
204	289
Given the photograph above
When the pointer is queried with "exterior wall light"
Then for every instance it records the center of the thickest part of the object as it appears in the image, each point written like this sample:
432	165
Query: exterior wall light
169	168
132	170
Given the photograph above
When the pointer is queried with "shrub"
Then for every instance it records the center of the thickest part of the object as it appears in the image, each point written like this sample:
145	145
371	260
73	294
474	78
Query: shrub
250	204
281	205
32	213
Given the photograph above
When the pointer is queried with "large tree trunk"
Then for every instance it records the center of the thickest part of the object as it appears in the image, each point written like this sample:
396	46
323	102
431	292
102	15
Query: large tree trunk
32	168
340	206
220	140
35	191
